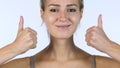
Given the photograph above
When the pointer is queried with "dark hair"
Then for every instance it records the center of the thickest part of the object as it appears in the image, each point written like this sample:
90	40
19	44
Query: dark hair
42	4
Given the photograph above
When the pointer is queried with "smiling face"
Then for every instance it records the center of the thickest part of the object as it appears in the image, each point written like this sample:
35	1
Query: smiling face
61	17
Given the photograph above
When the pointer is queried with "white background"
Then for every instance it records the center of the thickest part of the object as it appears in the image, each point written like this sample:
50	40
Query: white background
11	10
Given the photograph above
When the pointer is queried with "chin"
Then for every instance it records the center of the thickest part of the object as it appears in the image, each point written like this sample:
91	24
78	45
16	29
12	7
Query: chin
62	36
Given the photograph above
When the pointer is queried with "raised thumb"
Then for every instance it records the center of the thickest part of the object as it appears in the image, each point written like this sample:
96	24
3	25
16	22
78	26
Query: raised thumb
21	24
100	25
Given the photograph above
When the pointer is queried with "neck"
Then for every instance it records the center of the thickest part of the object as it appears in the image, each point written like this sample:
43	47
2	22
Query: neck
62	49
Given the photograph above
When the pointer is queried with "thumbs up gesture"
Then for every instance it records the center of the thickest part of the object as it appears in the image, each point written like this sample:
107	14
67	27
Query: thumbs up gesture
26	38
96	37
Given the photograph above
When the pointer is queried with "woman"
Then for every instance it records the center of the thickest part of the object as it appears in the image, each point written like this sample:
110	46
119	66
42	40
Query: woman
96	37
62	18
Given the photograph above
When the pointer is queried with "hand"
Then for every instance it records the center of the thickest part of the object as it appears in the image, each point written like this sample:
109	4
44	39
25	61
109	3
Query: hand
26	38
96	37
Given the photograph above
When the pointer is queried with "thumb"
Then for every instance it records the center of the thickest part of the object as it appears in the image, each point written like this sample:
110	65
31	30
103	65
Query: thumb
21	24
100	25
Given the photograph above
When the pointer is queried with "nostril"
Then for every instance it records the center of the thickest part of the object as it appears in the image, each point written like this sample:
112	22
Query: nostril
63	19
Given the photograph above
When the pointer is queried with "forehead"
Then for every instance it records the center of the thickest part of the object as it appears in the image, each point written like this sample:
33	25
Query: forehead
61	2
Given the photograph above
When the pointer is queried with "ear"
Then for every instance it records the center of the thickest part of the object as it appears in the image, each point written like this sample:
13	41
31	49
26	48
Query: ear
81	13
42	14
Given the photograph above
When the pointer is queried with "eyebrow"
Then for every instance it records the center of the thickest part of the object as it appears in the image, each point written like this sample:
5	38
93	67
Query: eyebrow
57	5
54	5
71	5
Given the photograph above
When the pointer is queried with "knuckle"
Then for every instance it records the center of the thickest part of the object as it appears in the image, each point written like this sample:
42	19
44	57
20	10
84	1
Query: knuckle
31	42
90	42
93	38
35	33
94	28
34	46
93	33
87	30
26	29
29	34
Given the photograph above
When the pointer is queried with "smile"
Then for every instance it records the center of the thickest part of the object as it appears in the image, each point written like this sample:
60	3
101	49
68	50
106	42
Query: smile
63	26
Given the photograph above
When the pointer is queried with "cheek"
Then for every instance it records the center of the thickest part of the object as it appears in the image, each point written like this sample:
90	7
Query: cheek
49	19
75	19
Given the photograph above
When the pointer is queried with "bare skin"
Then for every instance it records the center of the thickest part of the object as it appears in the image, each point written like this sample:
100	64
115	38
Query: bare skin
96	37
26	39
62	18
42	60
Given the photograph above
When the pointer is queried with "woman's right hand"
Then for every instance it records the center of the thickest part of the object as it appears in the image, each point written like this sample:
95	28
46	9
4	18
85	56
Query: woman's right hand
26	38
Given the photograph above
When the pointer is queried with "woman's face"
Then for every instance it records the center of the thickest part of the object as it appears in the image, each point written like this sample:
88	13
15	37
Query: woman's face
61	17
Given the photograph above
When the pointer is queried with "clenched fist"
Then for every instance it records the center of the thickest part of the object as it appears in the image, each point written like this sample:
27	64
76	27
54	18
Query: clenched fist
26	38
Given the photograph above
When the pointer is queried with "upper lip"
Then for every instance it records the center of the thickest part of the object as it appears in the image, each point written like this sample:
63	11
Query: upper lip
63	25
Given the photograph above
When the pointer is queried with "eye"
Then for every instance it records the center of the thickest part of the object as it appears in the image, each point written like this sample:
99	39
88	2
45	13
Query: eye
71	10
54	10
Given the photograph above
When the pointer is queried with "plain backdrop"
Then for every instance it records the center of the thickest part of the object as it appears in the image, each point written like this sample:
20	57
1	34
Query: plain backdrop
11	10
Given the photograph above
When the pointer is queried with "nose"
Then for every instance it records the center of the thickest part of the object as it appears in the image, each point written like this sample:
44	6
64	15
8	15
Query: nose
63	16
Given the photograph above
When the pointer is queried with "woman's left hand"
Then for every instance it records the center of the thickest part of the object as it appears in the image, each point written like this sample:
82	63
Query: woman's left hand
96	37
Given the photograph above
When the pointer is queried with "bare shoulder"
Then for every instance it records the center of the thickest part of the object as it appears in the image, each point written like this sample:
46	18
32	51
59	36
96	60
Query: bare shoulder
17	63
106	62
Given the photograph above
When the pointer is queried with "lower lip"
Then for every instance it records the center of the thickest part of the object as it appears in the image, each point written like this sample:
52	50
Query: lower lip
63	27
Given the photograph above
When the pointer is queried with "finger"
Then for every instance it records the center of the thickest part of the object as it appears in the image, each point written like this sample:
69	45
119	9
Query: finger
34	39
93	28
21	24
34	46
33	36
31	30
100	21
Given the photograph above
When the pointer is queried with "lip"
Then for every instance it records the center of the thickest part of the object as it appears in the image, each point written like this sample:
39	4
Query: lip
63	26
